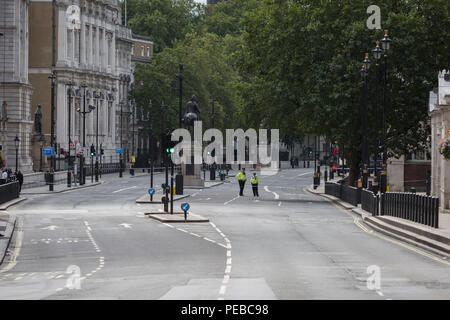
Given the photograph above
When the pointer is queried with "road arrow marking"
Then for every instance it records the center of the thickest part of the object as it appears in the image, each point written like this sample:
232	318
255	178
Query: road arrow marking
50	228
126	225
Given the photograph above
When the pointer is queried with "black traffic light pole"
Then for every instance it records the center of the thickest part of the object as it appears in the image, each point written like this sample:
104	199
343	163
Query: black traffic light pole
92	163
151	146
69	159
96	144
52	135
171	185
164	145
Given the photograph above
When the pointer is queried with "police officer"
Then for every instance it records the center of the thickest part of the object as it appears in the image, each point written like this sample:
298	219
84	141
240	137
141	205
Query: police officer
241	179
254	180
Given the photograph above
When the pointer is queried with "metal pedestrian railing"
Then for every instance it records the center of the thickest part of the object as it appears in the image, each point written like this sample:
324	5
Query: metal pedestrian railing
410	206
9	191
370	202
344	192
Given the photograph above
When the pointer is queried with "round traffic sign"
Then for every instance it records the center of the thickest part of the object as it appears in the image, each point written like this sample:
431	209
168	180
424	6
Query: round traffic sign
185	206
151	191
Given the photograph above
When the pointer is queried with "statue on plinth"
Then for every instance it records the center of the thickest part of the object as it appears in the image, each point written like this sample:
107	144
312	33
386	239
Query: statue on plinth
38	121
192	112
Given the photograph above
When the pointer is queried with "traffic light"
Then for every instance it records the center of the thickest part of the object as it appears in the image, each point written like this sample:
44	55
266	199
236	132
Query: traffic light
92	150
169	144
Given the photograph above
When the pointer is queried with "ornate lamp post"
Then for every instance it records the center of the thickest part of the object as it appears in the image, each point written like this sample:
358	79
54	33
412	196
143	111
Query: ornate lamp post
377	53
16	143
386	46
52	134
69	159
365	157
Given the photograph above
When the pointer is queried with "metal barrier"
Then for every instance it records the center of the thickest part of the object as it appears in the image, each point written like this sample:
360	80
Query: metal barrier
345	193
333	189
370	202
417	208
350	194
9	191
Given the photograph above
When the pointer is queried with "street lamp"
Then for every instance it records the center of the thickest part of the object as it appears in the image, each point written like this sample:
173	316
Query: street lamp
386	46
16	142
41	144
52	131
69	161
364	73
180	98
97	97
121	140
377	53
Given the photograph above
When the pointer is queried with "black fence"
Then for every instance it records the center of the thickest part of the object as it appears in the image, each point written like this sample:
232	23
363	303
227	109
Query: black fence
9	191
370	202
344	192
418	208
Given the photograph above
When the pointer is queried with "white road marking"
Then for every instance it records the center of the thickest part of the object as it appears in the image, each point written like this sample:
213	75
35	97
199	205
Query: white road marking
50	228
126	225
380	293
303	174
230	200
279	204
274	193
120	190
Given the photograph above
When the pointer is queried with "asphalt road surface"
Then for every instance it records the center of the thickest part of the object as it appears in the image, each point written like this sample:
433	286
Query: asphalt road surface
97	243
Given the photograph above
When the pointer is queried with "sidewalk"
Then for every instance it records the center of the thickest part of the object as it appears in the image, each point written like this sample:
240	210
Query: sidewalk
7	225
428	238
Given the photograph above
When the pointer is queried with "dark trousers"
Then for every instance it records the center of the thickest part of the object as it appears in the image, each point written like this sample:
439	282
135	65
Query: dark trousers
241	187
255	190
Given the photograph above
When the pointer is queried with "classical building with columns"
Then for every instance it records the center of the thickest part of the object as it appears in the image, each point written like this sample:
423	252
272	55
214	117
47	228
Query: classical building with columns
440	123
15	88
92	64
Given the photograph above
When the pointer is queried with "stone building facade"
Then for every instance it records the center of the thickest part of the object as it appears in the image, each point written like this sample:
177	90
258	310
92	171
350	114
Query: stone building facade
440	123
93	54
15	88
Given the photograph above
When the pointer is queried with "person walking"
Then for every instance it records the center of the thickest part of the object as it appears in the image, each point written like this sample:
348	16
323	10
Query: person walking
19	176
254	180
241	179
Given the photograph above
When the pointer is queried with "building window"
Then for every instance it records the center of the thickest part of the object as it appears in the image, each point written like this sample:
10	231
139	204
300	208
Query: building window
132	50
142	51
148	52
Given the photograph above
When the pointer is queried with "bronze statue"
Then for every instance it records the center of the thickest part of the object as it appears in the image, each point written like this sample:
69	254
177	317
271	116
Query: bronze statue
192	112
38	121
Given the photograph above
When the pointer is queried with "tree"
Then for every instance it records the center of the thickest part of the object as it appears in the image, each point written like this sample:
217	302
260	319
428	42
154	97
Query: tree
302	59
164	20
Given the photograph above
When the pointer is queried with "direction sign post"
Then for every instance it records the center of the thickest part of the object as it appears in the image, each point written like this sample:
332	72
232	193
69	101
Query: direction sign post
185	207
151	191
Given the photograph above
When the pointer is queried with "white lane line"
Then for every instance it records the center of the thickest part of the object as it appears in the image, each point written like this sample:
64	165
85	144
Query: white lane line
274	193
226	277
279	204
223	290
120	190
304	174
380	293
207	239
230	200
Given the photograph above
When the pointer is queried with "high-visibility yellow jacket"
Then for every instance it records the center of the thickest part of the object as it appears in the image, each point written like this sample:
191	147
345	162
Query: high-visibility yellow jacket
254	180
241	176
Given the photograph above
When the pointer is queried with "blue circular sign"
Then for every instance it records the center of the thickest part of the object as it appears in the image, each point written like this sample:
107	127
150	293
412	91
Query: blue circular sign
185	206
151	191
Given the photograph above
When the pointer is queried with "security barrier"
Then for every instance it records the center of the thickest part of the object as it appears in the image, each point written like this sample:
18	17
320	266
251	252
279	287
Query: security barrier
370	202
417	208
9	191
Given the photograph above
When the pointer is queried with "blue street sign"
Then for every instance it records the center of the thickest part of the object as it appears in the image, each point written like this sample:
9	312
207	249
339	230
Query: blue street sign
48	151
151	191
185	207
119	150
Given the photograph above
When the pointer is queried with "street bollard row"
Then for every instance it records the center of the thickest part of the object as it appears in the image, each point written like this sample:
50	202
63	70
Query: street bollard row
409	206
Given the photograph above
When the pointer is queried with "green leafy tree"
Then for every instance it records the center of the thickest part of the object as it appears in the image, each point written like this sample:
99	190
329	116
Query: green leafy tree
299	64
